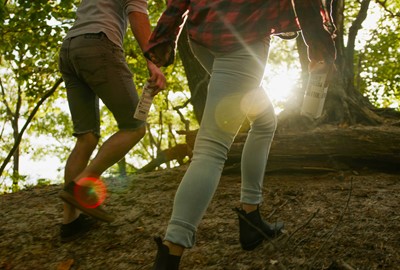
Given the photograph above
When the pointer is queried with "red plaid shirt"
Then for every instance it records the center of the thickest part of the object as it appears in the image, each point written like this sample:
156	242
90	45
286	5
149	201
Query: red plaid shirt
224	26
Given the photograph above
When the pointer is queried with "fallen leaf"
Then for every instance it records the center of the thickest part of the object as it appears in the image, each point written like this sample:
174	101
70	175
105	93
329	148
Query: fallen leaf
65	265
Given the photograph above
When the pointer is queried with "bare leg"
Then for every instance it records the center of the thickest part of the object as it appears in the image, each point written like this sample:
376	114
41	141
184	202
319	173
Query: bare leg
249	207
174	249
113	149
76	163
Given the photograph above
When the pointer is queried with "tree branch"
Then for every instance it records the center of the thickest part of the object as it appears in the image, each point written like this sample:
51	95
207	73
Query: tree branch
383	5
28	121
353	31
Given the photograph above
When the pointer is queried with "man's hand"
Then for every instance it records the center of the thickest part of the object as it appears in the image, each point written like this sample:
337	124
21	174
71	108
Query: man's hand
157	79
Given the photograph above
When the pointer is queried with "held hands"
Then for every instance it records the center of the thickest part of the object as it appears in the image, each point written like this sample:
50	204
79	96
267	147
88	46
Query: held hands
157	79
161	55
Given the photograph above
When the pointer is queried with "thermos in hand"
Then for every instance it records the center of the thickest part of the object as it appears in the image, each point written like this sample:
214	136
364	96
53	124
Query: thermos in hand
143	107
314	97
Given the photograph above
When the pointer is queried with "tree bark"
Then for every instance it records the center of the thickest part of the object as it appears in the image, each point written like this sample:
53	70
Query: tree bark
196	75
332	148
338	19
122	167
353	31
321	150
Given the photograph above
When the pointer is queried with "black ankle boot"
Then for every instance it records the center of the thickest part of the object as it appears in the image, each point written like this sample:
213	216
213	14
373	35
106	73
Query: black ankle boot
253	229
164	260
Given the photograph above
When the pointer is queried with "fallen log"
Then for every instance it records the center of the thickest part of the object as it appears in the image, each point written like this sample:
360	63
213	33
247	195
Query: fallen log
320	150
331	148
179	152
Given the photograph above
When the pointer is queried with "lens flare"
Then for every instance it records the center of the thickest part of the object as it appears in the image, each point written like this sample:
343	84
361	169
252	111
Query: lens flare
254	102
90	192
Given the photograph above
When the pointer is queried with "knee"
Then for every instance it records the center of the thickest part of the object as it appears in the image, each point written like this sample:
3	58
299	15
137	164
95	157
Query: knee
267	124
87	141
133	136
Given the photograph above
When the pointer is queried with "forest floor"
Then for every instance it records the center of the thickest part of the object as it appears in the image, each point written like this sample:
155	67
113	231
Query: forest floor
336	220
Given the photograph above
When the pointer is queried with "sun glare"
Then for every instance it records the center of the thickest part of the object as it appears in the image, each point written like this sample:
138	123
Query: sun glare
374	14
279	83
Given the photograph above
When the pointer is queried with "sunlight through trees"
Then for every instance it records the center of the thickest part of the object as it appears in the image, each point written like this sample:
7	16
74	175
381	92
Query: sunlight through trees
31	33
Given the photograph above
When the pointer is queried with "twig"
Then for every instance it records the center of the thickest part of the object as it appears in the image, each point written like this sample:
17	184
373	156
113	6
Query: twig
299	243
345	265
302	226
275	209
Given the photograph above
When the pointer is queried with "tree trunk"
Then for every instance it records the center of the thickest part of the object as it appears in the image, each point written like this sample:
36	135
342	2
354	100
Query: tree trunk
343	105
16	155
338	19
122	167
196	75
353	31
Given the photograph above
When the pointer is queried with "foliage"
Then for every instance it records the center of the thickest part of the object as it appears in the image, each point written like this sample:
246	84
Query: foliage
30	40
375	64
379	65
32	31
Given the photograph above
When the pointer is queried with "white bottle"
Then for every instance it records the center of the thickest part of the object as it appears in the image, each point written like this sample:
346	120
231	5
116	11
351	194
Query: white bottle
145	101
314	97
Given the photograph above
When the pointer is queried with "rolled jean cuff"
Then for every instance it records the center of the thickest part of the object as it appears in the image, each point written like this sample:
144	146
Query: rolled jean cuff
181	233
251	196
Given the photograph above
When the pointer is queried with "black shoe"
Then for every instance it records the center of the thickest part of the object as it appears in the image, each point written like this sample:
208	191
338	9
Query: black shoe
164	260
253	230
76	228
68	195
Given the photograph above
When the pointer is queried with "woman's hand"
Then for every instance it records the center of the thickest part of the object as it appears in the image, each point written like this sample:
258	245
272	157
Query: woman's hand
161	55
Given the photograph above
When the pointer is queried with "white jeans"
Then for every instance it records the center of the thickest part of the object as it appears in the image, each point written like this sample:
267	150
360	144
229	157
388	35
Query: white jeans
234	94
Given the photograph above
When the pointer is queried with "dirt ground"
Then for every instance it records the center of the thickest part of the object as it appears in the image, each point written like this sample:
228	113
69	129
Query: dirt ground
336	220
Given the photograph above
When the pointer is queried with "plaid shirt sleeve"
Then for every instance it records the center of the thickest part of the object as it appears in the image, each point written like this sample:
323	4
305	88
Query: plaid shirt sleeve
317	29
169	27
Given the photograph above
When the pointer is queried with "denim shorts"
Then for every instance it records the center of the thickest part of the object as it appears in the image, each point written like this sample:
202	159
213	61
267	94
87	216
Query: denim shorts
94	68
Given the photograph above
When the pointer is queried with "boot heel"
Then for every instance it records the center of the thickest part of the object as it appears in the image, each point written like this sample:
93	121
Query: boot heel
164	260
253	230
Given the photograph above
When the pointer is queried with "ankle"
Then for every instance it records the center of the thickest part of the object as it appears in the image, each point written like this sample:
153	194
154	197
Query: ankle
168	255
70	214
248	208
84	175
174	249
